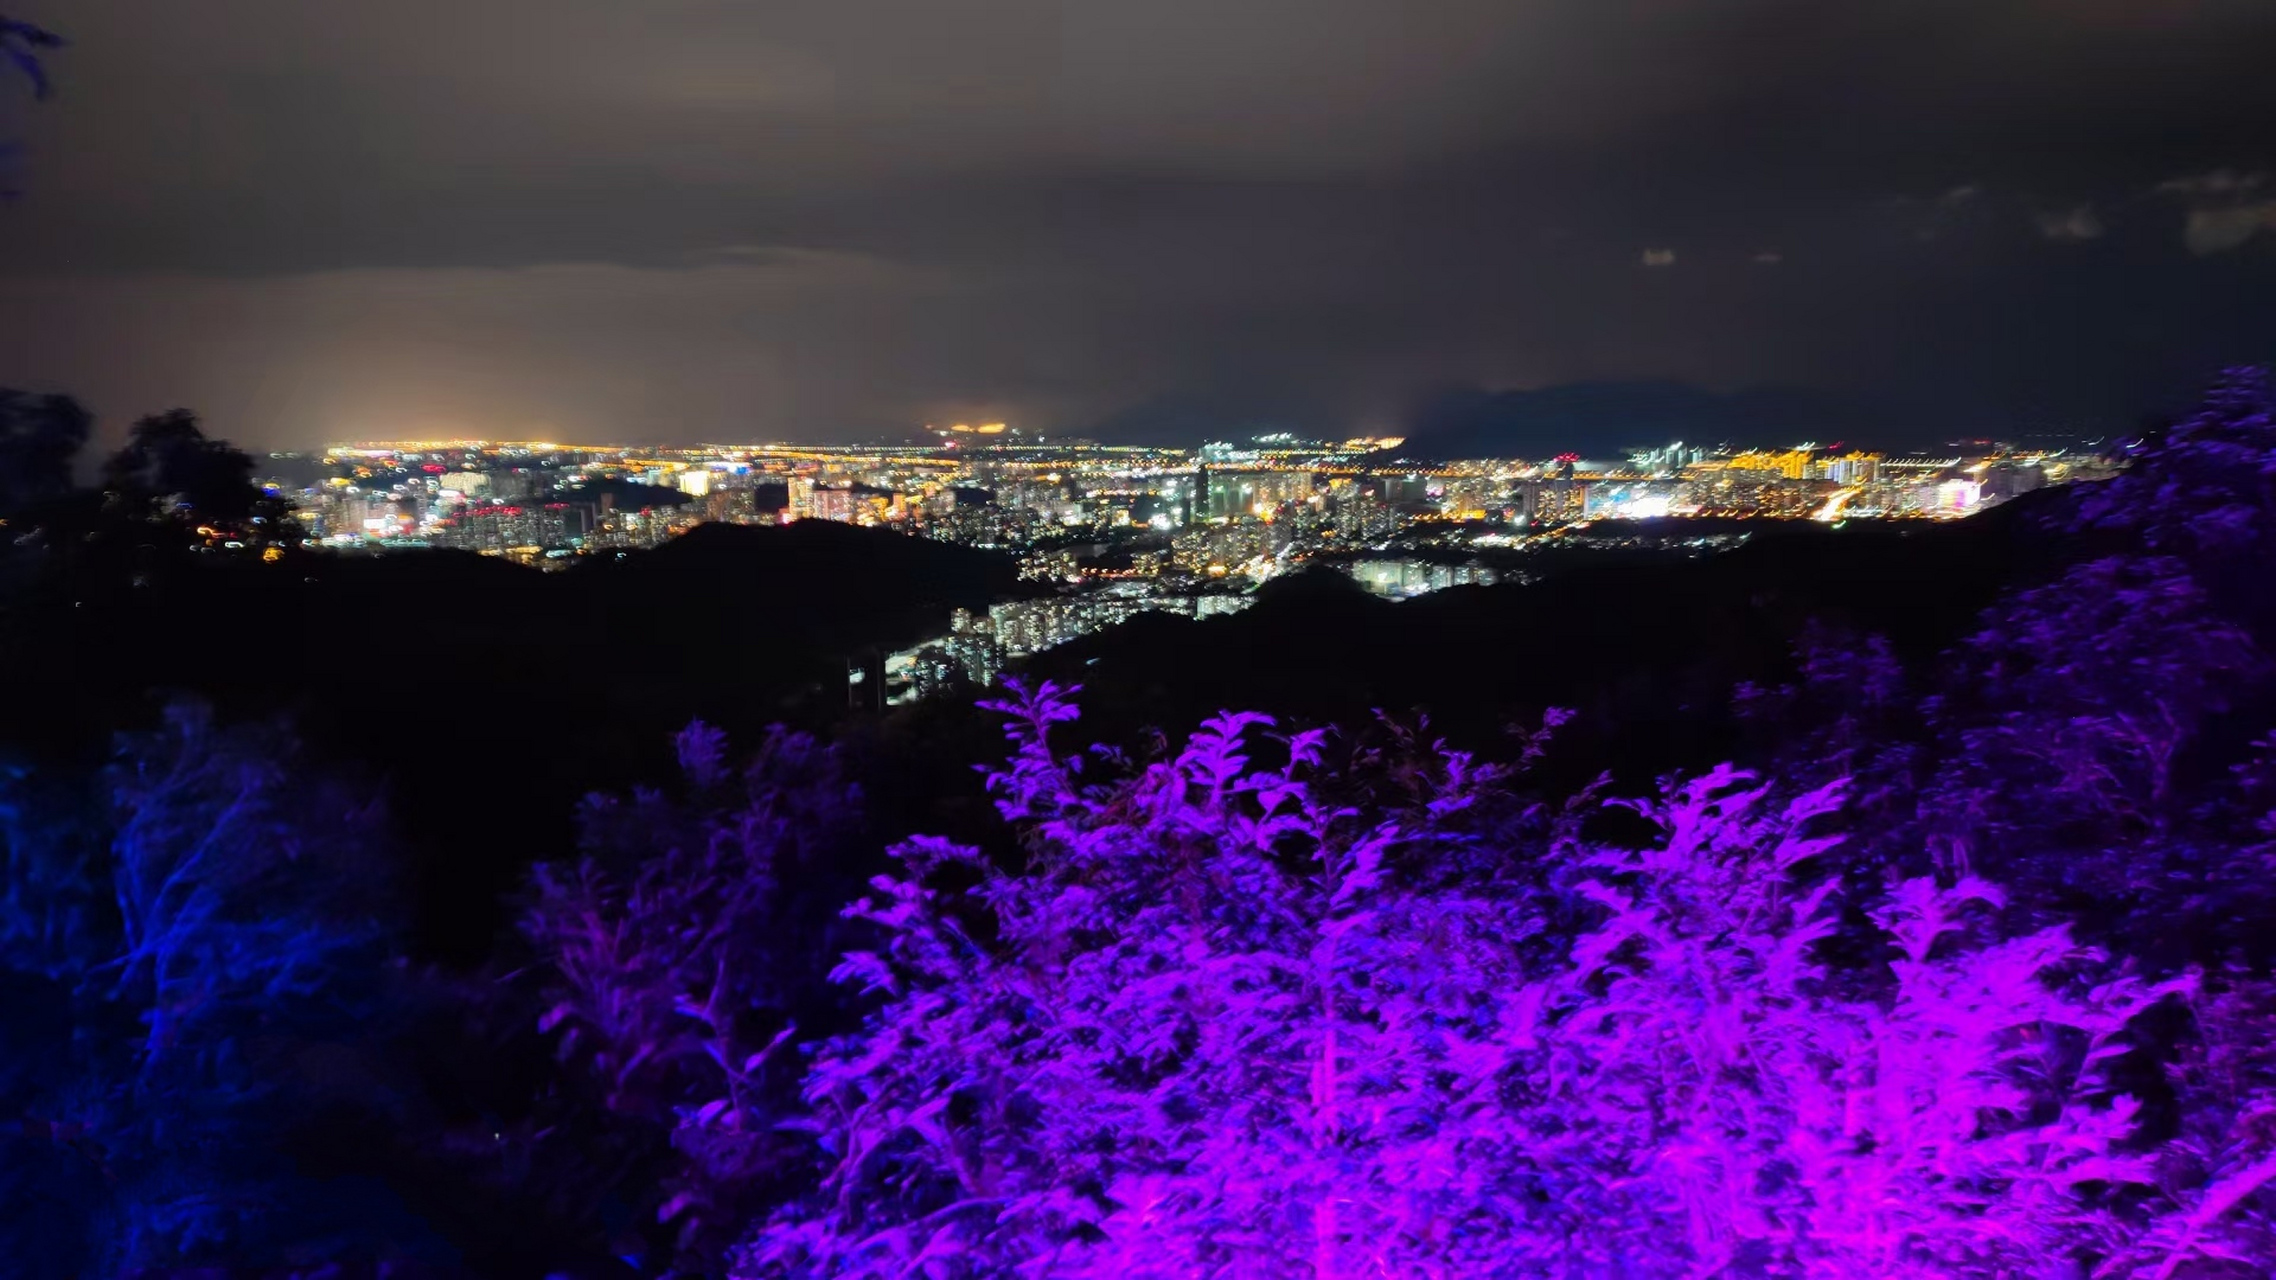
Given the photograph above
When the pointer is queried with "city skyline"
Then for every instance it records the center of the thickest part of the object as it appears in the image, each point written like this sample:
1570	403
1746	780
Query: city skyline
1101	534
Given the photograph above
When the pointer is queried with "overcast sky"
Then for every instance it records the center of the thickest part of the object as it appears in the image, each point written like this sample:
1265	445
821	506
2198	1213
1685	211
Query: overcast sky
317	220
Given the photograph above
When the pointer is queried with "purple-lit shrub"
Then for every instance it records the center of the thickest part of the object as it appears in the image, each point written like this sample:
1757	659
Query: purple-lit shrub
2217	1177
1217	1027
1724	1102
2201	489
2090	691
678	950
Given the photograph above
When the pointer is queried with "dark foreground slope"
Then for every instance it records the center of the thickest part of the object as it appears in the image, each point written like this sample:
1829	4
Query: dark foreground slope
488	696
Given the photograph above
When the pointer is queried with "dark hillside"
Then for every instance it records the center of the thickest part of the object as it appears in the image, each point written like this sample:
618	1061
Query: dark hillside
489	697
1650	644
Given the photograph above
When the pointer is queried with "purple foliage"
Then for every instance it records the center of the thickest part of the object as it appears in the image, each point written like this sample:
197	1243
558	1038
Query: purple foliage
2207	486
678	948
1216	1027
2218	1175
2095	686
1728	1110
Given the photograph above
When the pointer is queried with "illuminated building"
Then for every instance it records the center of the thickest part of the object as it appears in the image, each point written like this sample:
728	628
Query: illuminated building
730	506
1631	500
497	529
1670	460
1471	498
1233	494
1223	517
1956	496
515	486
1792	464
1404	490
2009	479
1401	578
835	504
1360	516
1853	468
1559	501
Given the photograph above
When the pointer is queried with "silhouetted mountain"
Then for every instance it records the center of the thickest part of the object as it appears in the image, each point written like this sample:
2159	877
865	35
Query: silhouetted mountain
626	495
832	586
1599	419
1188	421
1646	647
1317	588
491	696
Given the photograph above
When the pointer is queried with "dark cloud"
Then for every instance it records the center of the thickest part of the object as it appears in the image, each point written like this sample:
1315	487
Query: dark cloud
705	219
2072	226
2226	209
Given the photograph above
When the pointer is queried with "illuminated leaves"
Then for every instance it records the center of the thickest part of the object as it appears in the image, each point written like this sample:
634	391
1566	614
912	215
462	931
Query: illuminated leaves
677	949
1219	1027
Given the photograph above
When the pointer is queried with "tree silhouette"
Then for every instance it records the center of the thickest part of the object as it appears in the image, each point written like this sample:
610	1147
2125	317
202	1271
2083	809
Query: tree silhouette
169	466
39	436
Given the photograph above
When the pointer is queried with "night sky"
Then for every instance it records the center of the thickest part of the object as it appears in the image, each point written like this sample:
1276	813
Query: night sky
668	220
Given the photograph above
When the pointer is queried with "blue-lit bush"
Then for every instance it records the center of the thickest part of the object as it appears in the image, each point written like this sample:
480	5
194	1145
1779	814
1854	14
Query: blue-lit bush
195	949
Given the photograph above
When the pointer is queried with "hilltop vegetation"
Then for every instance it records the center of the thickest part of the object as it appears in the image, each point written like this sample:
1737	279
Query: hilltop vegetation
1883	906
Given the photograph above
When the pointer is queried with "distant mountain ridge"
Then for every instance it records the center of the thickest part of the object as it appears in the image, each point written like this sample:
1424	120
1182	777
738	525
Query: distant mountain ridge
1595	419
1600	419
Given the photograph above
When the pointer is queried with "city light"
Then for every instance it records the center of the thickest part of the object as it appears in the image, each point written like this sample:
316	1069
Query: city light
1113	531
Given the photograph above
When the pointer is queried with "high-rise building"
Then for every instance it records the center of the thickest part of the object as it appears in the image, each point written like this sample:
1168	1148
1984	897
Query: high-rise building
1853	468
1792	464
835	504
2007	479
1233	494
1558	501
